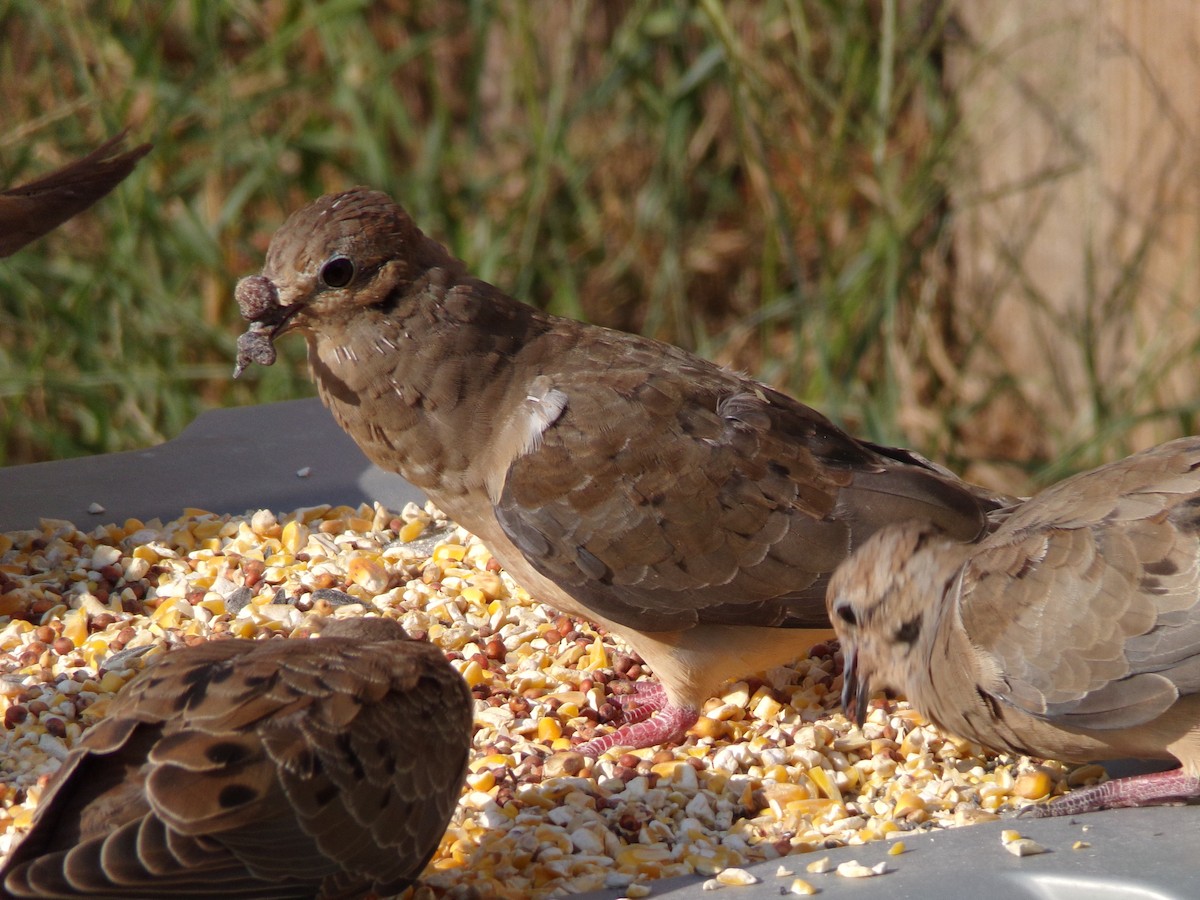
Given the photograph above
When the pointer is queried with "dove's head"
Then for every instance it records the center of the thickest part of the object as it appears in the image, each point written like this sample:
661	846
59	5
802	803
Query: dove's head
885	603
330	260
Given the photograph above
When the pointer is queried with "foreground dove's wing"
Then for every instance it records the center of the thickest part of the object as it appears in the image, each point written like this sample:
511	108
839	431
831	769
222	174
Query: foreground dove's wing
259	769
31	210
689	509
1072	632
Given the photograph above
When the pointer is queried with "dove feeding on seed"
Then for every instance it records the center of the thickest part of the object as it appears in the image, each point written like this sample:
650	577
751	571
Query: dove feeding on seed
690	510
258	769
1070	632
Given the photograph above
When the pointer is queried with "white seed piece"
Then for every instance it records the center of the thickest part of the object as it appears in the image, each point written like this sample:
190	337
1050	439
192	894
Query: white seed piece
711	885
854	869
802	888
820	866
1024	847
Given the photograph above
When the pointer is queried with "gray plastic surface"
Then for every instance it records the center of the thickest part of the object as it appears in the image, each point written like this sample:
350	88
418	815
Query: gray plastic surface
1152	854
230	461
279	456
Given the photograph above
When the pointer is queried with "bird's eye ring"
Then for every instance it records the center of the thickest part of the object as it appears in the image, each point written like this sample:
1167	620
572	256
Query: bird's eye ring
338	271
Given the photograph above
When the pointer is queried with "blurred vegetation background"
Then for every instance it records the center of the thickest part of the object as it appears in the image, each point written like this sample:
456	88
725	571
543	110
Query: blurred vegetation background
771	184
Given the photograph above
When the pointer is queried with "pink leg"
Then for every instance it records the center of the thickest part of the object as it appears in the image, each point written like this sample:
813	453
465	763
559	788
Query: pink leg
648	730
1139	790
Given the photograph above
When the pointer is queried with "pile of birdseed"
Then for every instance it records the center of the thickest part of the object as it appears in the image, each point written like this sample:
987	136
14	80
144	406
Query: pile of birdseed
772	768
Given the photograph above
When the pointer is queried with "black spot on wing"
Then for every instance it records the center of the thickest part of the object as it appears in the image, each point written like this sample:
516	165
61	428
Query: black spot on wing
226	753
1161	567
235	795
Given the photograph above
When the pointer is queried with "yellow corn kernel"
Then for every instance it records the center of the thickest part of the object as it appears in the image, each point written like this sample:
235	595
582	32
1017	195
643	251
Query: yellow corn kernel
825	783
597	655
908	802
410	531
111	682
548	729
706	727
144	551
482	781
75	626
1033	785
448	553
473	673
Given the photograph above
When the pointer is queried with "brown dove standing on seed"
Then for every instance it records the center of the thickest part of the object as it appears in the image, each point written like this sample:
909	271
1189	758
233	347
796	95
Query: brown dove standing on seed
259	769
31	210
691	510
1071	632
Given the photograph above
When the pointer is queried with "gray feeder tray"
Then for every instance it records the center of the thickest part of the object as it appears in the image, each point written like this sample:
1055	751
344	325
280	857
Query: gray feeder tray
283	456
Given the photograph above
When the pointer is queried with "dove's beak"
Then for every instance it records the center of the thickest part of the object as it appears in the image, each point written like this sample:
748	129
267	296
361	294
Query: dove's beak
855	692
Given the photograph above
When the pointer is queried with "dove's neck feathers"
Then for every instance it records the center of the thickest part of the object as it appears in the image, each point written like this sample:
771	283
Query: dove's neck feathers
923	622
418	379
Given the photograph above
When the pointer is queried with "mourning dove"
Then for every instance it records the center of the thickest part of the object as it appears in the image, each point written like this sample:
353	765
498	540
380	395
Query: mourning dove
692	511
1072	632
259	769
29	211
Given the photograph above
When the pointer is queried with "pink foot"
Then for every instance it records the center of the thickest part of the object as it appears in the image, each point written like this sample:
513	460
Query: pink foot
1139	790
647	697
651	728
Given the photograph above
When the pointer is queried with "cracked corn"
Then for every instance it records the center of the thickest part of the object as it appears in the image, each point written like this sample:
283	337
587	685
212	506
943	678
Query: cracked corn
772	767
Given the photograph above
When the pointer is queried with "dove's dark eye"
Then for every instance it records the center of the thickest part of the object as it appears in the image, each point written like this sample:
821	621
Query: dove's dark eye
845	612
338	272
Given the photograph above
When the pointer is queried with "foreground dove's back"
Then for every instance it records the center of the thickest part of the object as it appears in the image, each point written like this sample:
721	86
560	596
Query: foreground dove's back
1072	632
689	509
259	769
30	210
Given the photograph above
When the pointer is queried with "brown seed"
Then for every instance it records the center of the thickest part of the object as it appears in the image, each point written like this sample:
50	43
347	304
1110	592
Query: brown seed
519	705
44	633
252	571
14	716
102	621
111	573
495	649
552	636
56	726
628	761
63	646
37	707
